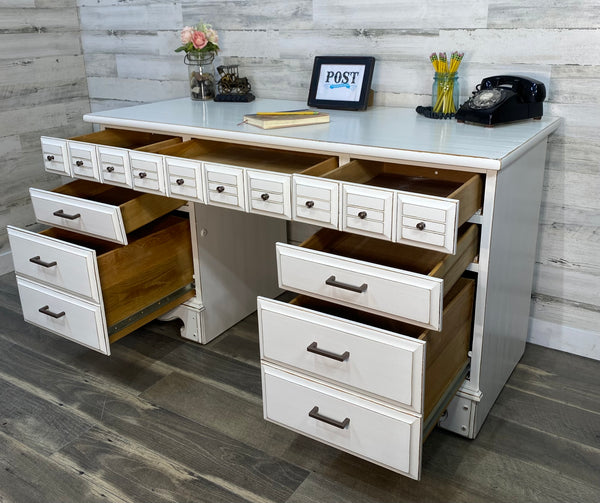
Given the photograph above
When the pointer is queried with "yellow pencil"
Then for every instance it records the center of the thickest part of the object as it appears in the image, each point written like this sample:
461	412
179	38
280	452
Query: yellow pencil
305	112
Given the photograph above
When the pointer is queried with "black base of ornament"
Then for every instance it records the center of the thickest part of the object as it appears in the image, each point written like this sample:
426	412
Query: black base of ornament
430	114
235	97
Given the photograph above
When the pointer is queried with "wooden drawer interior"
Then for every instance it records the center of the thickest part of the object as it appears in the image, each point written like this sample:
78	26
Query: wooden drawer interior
464	186
446	351
155	264
133	140
244	156
137	209
427	262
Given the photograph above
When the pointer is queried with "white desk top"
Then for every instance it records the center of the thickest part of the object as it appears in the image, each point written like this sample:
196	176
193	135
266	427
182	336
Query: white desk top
380	132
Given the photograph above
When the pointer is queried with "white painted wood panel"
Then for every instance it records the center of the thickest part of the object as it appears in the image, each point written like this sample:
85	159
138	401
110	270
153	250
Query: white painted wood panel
379	434
286	331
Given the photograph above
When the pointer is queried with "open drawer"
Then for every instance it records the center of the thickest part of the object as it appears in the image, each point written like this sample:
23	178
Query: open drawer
99	210
408	204
376	276
120	157
361	383
370	354
94	292
246	178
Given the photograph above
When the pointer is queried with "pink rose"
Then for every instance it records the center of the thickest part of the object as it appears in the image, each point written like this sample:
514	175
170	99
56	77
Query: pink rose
212	36
186	34
199	39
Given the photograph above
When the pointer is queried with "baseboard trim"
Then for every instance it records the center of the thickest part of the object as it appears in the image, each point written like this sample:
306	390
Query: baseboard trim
6	262
571	340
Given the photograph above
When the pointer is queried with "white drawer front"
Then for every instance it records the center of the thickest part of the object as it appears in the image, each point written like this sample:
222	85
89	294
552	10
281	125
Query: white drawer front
225	186
379	434
84	161
269	194
147	172
315	201
184	178
69	317
367	211
427	222
79	215
56	158
372	360
59	264
114	166
403	295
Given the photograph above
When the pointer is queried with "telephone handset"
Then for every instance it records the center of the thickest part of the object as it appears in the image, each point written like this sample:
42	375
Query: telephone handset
504	98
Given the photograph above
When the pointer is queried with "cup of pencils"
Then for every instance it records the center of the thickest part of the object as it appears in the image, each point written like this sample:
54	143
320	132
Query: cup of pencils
445	93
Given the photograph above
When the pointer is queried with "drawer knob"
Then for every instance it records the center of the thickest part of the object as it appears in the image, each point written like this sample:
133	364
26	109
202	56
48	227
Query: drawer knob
362	215
143	174
312	348
220	189
342	425
180	181
331	281
46	310
62	214
421	226
37	260
79	163
110	169
264	197
50	157
309	204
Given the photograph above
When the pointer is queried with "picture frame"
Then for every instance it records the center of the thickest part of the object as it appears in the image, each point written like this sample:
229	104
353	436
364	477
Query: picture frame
341	82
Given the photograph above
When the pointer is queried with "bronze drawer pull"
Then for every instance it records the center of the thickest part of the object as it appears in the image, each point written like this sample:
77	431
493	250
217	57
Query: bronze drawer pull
331	281
46	310
143	174
50	157
264	197
421	226
342	425
62	214
37	260
79	163
110	169
220	189
312	348
362	215
309	204
180	181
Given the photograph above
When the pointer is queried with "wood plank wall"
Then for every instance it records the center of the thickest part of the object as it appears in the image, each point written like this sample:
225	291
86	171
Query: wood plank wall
43	91
128	48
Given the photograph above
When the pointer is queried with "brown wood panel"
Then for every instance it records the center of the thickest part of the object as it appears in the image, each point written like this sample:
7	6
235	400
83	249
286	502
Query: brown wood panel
156	262
122	138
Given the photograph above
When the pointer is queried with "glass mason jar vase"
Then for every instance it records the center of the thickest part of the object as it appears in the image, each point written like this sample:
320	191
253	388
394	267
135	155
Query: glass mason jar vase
201	75
445	93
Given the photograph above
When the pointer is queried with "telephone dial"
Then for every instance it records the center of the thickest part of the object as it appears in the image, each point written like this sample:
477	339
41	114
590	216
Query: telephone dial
503	98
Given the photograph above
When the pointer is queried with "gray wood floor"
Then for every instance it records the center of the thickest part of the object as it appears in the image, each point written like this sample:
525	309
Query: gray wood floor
164	420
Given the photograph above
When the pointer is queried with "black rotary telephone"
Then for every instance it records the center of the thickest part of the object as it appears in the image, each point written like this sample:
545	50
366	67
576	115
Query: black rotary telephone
503	98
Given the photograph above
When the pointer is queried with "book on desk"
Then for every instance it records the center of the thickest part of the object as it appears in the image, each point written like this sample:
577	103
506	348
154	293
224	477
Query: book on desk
272	120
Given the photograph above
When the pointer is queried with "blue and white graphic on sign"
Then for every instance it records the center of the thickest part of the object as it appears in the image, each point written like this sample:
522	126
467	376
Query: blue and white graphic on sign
340	82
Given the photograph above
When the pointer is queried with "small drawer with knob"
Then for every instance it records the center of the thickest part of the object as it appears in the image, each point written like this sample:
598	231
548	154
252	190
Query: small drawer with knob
376	276
315	201
415	205
147	172
269	193
184	179
99	210
55	156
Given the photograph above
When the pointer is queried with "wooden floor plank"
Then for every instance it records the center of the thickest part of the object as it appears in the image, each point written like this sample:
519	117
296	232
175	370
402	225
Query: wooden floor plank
143	475
42	425
27	476
200	448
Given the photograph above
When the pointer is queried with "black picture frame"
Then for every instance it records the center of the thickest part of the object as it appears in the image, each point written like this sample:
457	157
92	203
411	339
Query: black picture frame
344	89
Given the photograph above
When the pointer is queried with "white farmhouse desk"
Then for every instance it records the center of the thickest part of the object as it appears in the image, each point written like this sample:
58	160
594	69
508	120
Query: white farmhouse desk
414	295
